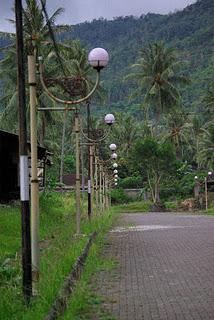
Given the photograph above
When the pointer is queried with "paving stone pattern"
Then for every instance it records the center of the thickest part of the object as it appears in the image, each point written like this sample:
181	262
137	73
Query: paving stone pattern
165	270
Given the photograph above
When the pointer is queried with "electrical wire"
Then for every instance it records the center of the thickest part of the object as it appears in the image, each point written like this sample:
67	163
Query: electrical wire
52	36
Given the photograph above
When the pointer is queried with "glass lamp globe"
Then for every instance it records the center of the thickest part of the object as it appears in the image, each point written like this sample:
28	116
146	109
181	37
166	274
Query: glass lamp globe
98	58
115	184
116	176
114	156
113	147
115	165
109	119
115	180
210	173
115	171
196	177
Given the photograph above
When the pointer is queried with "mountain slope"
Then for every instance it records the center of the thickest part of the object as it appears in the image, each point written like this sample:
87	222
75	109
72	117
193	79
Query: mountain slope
191	31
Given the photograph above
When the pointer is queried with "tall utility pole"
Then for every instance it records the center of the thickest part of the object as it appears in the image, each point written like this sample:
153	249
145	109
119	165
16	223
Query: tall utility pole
23	153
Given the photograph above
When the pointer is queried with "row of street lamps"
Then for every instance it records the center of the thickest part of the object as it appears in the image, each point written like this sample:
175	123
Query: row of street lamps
98	58
92	140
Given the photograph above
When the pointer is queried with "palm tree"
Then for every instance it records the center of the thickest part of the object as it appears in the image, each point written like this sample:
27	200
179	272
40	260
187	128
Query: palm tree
208	101
196	132
9	95
206	147
179	128
36	28
35	25
125	132
158	78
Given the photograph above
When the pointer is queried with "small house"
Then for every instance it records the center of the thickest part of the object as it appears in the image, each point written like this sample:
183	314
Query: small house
9	165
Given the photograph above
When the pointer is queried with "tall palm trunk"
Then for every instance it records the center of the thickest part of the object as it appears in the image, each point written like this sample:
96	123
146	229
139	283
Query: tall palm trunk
157	120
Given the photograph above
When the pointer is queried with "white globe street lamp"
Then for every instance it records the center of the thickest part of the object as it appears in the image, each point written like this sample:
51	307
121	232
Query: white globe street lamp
109	119
116	176
115	184
210	173
114	156
115	165
98	58
113	147
115	180
196	177
115	171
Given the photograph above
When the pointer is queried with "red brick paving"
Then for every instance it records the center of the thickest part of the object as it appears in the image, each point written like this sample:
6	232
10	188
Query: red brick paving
162	274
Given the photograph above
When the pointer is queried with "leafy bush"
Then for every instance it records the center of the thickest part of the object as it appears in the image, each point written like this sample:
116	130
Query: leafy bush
171	205
119	196
132	182
178	188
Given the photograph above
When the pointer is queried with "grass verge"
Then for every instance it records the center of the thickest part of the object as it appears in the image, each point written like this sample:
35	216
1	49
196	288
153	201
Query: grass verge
59	250
133	207
209	211
86	304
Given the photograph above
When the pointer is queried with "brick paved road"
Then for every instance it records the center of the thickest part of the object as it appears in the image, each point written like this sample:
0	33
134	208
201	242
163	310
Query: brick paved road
165	268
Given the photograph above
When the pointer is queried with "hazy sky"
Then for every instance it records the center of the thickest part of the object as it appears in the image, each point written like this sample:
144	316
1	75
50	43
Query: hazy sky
81	10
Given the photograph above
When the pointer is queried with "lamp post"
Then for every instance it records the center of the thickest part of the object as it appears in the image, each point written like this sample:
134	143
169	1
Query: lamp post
115	165
34	166
98	59
206	190
103	177
92	139
114	156
112	147
109	120
206	195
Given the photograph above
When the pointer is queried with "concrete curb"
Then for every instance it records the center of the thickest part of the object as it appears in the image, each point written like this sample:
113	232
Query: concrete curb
68	288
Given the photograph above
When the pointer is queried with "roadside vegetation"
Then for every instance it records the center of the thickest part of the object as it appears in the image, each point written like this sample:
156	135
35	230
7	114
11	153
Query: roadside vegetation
59	250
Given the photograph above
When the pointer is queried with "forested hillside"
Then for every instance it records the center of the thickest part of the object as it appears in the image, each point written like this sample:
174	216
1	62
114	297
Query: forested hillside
191	31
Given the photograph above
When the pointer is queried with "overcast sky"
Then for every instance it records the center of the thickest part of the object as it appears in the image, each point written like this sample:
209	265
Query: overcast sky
81	10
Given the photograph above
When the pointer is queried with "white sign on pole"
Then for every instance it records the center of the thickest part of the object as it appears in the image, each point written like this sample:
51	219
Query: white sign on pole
24	178
89	186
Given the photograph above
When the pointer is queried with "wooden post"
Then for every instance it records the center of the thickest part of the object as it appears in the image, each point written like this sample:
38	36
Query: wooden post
206	194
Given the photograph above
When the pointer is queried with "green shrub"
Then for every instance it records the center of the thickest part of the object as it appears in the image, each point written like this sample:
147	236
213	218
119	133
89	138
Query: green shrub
171	205
178	187
118	196
131	182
